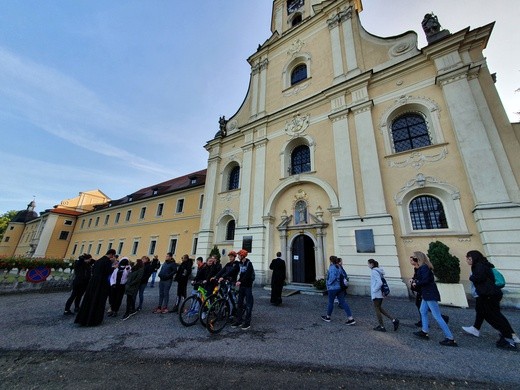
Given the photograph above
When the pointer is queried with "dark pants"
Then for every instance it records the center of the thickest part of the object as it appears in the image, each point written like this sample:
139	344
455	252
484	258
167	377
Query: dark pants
142	287
492	314
130	304
276	292
77	292
245	294
117	292
380	312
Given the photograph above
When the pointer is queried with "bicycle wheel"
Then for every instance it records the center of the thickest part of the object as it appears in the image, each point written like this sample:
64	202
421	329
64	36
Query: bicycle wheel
218	315
189	311
204	308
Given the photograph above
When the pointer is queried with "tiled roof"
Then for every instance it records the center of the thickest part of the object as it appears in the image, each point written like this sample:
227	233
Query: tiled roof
169	186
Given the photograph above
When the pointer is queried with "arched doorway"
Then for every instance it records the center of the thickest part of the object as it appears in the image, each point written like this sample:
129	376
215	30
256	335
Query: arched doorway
303	261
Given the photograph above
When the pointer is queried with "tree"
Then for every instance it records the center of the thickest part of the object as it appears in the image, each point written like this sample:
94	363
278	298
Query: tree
446	267
215	252
5	218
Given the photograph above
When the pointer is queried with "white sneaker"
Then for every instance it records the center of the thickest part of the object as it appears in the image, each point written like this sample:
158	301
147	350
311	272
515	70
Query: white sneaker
471	330
515	338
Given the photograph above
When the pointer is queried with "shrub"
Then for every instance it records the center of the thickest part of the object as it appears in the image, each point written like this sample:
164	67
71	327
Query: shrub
22	263
446	267
215	252
320	284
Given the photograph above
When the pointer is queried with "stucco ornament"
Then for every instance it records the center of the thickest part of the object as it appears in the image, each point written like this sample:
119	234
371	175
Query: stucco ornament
297	125
295	47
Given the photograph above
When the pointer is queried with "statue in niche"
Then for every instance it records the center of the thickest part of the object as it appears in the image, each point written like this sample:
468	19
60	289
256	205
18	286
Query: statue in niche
300	212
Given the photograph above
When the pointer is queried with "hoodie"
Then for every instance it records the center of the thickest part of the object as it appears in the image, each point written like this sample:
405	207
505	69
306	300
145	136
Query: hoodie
375	282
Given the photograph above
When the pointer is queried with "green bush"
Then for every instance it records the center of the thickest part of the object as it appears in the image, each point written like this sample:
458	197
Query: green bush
446	267
320	284
215	252
22	263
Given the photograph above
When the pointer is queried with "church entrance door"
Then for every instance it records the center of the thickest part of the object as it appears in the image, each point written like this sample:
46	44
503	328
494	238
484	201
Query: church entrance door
303	260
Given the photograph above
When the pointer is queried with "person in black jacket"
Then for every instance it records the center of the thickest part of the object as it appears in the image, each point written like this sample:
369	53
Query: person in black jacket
230	270
277	279
147	272
181	277
425	280
92	309
490	295
82	271
245	291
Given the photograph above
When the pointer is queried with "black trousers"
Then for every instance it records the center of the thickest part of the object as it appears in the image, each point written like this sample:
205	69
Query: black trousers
276	292
490	306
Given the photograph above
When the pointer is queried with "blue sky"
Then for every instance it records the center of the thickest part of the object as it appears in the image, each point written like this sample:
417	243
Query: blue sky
118	95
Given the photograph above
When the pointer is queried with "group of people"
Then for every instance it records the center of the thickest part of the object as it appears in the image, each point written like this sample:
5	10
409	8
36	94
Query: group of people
485	290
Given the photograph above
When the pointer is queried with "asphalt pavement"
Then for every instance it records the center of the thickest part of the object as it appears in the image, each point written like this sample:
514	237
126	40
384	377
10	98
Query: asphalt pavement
291	337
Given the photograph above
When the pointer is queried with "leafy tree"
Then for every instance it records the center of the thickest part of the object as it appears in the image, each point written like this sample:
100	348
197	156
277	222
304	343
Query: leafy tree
445	266
5	218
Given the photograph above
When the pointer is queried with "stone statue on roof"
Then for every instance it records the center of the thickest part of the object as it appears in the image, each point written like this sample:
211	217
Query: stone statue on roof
432	28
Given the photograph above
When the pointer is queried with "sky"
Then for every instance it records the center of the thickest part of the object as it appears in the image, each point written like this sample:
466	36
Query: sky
119	95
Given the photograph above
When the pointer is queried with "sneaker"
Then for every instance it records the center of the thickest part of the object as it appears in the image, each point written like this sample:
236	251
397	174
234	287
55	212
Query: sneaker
245	326
422	335
236	324
418	324
325	318
157	310
126	316
380	328
445	318
502	343
516	339
448	343
164	310
471	330
351	322
396	324
68	313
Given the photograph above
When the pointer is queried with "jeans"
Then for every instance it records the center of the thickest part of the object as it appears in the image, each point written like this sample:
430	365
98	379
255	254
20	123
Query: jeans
164	292
340	294
433	306
245	293
141	295
154	274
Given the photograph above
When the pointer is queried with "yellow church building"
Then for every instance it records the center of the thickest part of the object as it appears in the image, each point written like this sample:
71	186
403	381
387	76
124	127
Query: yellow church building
346	144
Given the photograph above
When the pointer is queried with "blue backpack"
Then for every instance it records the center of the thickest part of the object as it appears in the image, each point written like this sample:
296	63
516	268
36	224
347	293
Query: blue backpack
385	290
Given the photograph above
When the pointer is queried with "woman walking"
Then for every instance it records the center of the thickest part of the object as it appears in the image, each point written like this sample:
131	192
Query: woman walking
334	290
425	280
488	300
376	282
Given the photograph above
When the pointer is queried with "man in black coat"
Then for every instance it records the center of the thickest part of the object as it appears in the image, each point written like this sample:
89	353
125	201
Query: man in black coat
92	310
277	279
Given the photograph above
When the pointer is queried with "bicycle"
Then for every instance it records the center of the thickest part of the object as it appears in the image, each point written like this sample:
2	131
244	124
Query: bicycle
192	309
219	311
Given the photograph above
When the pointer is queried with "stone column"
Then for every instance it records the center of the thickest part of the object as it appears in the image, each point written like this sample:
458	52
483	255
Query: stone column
259	181
254	90
337	57
263	86
348	40
245	184
373	193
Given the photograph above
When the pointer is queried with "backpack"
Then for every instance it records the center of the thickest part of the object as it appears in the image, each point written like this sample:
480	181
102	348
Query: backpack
343	279
500	281
385	290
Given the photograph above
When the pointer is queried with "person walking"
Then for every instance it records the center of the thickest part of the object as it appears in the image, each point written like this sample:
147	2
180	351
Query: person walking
132	288
82	271
425	280
489	297
92	309
181	277
245	281
277	279
168	270
334	291
376	282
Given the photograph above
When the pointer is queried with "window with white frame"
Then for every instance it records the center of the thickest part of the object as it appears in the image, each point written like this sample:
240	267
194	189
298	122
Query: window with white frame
143	213
116	219
427	212
296	71
135	247
173	245
153	244
160	208
180	206
297	156
230	230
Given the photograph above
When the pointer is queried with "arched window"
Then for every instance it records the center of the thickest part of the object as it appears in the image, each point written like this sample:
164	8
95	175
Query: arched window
427	212
300	160
298	74
230	230
297	19
234	178
409	131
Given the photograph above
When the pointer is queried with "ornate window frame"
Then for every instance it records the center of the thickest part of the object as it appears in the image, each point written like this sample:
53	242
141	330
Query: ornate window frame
226	176
410	104
222	226
286	153
298	59
446	193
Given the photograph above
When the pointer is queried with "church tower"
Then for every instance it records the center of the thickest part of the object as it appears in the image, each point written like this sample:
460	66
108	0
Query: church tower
359	146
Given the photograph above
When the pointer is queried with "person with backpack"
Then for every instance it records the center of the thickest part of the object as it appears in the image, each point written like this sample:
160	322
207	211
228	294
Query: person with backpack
376	283
487	301
425	280
334	290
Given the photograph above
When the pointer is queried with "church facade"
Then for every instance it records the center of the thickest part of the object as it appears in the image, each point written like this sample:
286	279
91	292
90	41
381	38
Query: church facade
358	146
